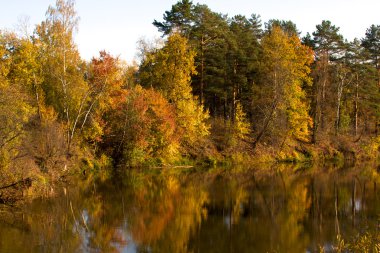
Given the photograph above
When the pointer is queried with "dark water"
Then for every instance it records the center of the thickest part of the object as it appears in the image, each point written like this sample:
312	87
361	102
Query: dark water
280	210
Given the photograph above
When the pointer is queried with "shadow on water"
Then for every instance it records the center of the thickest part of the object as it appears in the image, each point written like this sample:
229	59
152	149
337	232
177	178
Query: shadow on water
279	209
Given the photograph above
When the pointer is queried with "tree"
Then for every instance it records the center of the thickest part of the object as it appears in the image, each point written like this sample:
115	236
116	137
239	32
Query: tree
242	60
26	70
371	42
64	86
208	37
239	129
105	86
141	129
328	46
5	59
287	26
327	40
178	19
226	53
285	70
169	70
14	113
343	79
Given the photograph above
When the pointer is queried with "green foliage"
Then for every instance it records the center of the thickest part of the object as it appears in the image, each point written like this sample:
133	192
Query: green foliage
327	40
288	26
371	42
227	51
180	15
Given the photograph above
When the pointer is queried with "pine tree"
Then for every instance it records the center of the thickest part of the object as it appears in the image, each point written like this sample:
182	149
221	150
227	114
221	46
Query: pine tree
328	46
178	19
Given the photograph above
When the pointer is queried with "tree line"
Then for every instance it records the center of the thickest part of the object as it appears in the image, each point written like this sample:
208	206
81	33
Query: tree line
213	87
313	89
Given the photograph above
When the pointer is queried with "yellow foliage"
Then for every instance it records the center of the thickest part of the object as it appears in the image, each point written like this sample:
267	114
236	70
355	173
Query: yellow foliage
242	127
286	63
169	70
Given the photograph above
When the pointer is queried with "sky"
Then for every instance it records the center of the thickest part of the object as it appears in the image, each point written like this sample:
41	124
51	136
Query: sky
117	25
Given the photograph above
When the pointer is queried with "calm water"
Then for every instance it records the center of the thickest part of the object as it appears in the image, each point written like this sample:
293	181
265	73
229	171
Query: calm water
281	210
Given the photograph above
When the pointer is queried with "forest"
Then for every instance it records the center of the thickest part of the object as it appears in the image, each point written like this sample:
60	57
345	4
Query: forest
215	89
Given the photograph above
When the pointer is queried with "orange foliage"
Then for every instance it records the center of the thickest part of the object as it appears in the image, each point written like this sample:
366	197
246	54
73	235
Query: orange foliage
141	126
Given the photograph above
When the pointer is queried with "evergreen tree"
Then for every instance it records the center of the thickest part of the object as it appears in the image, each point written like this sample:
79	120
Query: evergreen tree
371	43
208	38
242	59
178	19
328	47
287	26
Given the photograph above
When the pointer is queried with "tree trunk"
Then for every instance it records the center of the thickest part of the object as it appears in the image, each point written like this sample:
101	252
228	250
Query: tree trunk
37	97
356	104
323	100
316	113
266	124
339	98
201	98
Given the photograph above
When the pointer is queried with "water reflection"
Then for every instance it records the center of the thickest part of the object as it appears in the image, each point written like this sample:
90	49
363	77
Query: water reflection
279	210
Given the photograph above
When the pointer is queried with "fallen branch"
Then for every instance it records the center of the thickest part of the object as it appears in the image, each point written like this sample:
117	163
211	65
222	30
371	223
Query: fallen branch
27	182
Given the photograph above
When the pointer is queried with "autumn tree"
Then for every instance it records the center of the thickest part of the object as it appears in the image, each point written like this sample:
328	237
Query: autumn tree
240	128
285	70
15	111
141	129
169	70
105	82
26	70
64	86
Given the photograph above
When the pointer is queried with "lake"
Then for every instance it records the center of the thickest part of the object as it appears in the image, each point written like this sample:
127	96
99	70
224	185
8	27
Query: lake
277	209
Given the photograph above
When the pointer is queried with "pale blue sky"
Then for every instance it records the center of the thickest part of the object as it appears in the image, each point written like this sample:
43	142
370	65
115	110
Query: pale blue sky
116	25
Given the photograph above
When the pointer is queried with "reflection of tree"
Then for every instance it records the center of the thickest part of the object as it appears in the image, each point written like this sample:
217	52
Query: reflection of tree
261	212
277	210
104	219
43	226
292	233
166	215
